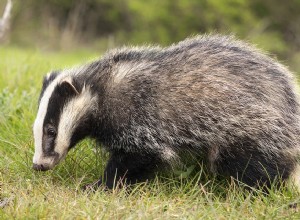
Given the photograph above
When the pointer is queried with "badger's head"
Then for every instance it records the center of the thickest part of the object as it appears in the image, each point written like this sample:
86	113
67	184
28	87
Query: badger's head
63	118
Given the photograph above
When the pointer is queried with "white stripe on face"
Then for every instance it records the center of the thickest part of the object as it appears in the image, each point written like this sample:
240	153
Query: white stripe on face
72	114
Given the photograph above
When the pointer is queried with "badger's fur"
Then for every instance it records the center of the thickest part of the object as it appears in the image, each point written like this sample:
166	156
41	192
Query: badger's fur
211	96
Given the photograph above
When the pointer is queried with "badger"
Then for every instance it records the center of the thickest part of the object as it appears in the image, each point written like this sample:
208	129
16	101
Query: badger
212	97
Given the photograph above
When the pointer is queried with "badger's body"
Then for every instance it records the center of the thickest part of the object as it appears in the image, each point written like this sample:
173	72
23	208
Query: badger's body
212	97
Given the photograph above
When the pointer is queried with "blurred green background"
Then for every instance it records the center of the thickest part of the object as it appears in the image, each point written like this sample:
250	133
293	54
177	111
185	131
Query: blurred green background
98	25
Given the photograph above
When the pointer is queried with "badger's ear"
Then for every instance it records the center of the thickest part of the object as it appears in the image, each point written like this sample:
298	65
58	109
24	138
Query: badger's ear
67	88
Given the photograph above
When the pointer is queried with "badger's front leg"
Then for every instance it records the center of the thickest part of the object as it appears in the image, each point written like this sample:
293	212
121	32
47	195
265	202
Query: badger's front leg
128	168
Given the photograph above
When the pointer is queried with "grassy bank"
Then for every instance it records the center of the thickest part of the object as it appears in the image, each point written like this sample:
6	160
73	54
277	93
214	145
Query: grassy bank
56	194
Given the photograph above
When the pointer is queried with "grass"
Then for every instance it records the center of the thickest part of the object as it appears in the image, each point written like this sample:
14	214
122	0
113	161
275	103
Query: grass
56	194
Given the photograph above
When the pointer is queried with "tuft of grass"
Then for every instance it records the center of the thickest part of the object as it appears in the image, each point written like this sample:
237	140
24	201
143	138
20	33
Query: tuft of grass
57	194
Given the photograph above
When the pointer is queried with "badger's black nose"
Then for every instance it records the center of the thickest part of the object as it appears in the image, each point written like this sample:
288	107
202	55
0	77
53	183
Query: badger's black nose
40	167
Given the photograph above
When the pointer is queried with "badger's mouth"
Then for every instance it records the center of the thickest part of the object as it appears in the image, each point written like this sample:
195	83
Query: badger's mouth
41	167
47	163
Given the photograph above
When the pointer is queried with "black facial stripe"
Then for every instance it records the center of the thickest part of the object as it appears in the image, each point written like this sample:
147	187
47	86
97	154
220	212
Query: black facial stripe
54	110
48	145
47	81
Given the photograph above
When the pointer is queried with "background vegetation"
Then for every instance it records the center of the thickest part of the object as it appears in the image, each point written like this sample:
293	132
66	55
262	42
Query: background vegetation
53	34
100	24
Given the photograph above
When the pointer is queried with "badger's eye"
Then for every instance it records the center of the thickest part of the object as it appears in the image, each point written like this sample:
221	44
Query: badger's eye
51	132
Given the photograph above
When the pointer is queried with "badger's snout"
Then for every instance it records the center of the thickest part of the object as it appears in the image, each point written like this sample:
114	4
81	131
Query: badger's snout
40	167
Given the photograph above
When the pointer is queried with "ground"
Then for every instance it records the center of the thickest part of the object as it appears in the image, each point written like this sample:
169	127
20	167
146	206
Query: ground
57	194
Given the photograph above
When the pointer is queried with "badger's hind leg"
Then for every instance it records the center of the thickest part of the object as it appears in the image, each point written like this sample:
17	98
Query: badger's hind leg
254	168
